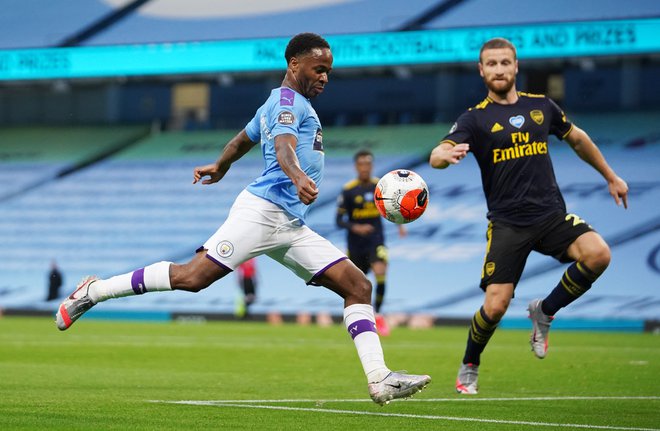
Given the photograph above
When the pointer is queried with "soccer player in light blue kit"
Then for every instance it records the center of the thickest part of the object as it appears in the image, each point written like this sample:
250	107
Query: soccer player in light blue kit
268	217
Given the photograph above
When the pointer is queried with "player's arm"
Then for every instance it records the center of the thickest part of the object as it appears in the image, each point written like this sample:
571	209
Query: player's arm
344	222
448	153
362	229
285	149
582	144
236	148
341	219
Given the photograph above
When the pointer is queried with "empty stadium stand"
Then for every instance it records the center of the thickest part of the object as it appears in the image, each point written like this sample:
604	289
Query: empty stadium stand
139	206
486	13
108	199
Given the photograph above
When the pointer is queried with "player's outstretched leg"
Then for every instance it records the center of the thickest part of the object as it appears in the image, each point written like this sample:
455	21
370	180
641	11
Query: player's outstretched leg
540	328
397	385
75	305
92	290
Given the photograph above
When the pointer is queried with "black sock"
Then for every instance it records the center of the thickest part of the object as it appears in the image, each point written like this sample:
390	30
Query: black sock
481	330
577	279
380	293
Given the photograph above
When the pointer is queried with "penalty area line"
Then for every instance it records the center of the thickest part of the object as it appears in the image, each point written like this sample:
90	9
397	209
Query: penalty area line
401	415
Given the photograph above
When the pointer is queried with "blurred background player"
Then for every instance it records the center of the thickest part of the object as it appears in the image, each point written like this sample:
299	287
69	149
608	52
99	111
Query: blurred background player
508	135
357	213
268	217
247	279
55	281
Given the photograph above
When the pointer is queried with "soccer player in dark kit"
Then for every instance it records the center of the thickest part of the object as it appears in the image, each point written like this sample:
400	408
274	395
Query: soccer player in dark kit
508	135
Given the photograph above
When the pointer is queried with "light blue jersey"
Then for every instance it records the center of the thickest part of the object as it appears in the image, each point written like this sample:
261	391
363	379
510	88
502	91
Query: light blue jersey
286	111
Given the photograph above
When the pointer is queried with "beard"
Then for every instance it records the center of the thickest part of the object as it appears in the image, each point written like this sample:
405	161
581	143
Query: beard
500	87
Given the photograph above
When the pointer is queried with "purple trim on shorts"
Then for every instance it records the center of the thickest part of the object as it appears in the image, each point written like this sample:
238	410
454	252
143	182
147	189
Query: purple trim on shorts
220	264
137	282
318	274
360	326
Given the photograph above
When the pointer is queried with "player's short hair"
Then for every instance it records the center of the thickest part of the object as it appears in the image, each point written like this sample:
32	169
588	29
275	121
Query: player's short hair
302	43
497	43
362	153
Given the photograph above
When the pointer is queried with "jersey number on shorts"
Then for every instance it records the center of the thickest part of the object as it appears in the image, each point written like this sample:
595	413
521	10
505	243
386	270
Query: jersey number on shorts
576	220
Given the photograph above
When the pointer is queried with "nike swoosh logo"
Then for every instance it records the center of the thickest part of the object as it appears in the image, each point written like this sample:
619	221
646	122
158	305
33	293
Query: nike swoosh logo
398	386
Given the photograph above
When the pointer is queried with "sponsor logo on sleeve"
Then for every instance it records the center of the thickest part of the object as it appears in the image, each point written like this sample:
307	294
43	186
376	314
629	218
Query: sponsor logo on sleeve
286	118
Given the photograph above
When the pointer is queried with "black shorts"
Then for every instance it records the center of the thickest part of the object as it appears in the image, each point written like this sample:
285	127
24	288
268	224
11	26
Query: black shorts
363	257
509	246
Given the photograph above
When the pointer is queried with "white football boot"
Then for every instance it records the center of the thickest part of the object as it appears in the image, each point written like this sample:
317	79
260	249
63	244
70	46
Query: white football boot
75	305
540	328
397	385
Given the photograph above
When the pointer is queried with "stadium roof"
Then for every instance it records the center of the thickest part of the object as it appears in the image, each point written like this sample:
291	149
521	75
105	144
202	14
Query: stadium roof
45	23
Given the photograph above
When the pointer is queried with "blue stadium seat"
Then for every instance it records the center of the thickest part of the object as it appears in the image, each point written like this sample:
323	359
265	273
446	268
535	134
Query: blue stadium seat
151	24
44	23
478	13
127	212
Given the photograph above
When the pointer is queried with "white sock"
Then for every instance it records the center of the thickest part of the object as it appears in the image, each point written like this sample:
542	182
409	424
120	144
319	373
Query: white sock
361	324
151	278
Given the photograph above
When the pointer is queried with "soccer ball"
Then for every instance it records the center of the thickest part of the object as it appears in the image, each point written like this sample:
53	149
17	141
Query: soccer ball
401	196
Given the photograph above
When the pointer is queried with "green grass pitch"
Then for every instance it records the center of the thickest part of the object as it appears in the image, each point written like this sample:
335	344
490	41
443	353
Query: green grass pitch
102	375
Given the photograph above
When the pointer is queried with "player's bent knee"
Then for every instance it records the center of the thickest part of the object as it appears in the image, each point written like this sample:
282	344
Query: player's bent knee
361	290
599	258
497	310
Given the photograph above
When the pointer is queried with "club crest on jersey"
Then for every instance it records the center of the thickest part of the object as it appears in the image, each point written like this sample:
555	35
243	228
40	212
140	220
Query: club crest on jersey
537	116
225	248
286	118
517	121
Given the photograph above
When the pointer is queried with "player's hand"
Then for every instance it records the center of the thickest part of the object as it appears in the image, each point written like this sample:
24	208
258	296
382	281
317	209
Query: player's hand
362	229
307	191
213	172
458	153
619	191
447	154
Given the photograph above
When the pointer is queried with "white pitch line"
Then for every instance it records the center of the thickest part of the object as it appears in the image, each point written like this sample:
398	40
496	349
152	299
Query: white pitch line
410	416
418	400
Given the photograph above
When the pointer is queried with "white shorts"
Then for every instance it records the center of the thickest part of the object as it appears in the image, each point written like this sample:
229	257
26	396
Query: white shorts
256	226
